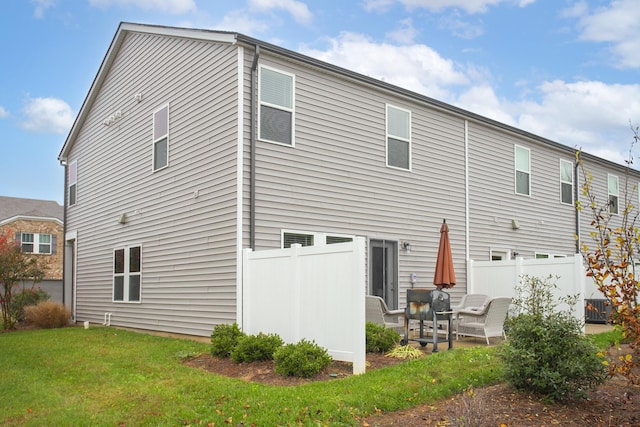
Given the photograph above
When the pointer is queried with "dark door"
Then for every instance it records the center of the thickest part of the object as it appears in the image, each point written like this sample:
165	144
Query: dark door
383	271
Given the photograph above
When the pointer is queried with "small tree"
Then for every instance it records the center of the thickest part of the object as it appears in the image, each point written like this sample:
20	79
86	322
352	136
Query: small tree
611	261
15	267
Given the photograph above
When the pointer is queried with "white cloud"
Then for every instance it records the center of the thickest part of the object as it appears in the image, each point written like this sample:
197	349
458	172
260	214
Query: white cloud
406	34
47	115
618	24
175	7
41	7
416	67
469	6
298	10
240	21
3	113
588	114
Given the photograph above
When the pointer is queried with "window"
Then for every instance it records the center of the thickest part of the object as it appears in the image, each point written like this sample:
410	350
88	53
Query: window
35	243
127	274
612	182
276	106
311	239
544	255
523	170
73	182
566	182
398	138
161	138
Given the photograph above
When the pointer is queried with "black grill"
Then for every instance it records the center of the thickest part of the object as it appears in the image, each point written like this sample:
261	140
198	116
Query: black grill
428	305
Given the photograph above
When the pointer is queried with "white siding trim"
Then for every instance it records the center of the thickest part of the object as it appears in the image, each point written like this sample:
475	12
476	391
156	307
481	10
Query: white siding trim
239	185
467	242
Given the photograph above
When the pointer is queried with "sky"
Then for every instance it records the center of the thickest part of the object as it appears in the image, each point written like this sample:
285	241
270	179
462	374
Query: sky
565	70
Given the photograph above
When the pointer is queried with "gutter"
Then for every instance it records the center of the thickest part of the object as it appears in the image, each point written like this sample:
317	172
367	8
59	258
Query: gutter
252	153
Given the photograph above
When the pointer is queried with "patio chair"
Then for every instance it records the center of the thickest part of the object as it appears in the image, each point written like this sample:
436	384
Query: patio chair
471	302
485	323
377	312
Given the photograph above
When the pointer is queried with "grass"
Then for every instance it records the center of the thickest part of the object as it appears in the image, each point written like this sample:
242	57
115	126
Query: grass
106	376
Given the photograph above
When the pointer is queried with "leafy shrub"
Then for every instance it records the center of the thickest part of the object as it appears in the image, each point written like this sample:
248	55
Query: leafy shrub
303	359
251	348
48	314
546	351
224	339
25	298
379	338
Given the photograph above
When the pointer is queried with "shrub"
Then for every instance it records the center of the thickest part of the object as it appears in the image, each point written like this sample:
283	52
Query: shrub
546	351
25	298
379	338
48	314
224	339
303	359
251	348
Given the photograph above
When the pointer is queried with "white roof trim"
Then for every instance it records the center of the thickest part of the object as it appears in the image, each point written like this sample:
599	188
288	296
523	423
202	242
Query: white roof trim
29	218
123	29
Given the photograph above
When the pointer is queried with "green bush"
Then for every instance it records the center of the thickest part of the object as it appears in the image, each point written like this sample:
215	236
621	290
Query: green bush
252	348
224	339
303	359
546	351
380	339
47	315
25	298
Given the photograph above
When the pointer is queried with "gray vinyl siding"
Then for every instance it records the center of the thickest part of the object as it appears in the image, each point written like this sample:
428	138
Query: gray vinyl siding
188	241
335	179
546	225
628	181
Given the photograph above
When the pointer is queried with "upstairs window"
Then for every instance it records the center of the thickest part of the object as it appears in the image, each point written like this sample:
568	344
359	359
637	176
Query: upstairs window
161	138
73	182
612	182
398	138
276	116
566	182
127	274
523	170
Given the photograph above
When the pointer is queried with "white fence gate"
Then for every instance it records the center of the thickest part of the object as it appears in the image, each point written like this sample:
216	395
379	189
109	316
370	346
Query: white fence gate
312	292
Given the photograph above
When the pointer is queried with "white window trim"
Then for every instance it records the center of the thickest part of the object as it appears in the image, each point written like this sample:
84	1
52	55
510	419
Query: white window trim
388	135
125	275
73	164
292	110
319	239
154	139
547	255
567	162
617	193
36	243
505	254
516	170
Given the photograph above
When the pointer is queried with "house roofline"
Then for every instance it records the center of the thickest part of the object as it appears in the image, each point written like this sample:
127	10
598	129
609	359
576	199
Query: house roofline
123	29
233	37
29	218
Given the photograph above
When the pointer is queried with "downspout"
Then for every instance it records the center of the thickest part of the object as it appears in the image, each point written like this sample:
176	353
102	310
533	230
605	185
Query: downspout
576	194
64	233
252	154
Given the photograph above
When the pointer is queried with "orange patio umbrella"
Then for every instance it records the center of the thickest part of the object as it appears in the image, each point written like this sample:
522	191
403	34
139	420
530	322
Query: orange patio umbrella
444	276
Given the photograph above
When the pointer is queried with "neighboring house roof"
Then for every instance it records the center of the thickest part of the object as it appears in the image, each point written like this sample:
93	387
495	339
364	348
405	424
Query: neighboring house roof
234	38
12	208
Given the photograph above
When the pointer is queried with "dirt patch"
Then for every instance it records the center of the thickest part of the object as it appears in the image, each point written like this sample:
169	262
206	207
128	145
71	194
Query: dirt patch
615	403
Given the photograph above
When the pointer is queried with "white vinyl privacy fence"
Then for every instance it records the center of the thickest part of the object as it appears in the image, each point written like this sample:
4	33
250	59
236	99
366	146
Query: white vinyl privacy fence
499	278
313	293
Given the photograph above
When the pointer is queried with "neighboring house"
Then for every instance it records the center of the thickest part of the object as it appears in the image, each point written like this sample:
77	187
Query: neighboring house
37	226
192	145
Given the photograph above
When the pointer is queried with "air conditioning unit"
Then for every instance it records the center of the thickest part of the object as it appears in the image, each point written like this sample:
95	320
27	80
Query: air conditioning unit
597	310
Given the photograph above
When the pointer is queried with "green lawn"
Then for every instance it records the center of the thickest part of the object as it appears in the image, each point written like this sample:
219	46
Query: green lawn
106	376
